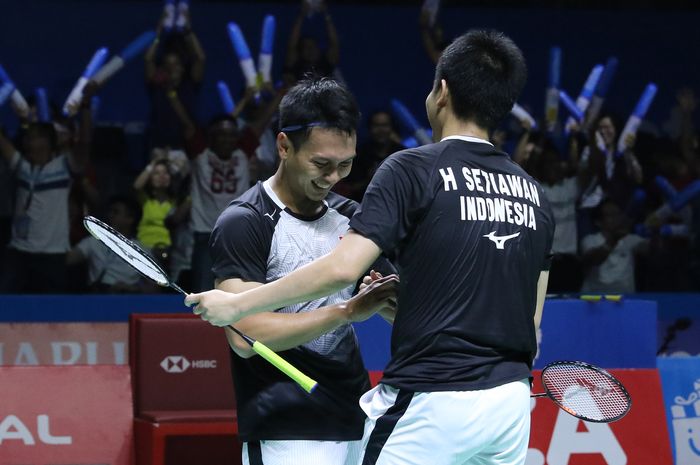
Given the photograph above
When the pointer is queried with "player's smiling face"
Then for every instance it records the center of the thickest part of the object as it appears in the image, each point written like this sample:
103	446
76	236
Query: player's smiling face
320	162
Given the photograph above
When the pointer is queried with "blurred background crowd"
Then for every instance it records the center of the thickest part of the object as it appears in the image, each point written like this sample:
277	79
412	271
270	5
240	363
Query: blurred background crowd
159	148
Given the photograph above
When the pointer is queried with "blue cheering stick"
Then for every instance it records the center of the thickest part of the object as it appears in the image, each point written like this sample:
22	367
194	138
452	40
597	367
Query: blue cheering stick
225	97
410	122
666	188
677	200
674	230
584	98
685	196
183	8
523	116
168	15
635	119
73	100
15	96
601	90
571	107
134	48
42	105
552	98
266	47
6	89
245	59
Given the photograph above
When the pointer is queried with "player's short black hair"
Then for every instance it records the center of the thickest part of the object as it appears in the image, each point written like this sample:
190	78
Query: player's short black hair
317	103
485	72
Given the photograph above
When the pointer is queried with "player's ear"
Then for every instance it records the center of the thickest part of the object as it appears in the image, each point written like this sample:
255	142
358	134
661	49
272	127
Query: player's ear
284	146
443	94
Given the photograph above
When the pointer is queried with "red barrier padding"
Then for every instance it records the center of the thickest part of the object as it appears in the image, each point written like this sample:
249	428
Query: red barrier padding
182	387
64	415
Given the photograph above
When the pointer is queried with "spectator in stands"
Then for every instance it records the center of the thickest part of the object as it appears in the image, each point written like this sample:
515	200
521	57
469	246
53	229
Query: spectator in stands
432	37
107	273
606	172
156	194
259	115
383	141
219	174
174	74
610	255
7	193
303	52
36	257
561	184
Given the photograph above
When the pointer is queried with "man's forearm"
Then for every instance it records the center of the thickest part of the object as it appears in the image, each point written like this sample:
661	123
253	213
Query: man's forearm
331	273
283	331
317	279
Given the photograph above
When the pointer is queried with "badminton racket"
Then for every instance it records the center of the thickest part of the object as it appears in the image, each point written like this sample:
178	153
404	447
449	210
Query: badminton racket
142	262
585	391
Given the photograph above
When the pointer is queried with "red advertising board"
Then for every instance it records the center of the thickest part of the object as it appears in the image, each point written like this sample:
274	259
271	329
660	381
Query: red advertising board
640	438
31	344
66	415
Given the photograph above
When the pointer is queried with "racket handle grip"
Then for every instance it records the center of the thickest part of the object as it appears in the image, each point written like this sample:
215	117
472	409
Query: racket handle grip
285	367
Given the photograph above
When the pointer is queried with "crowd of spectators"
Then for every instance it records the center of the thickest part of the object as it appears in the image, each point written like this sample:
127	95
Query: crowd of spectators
617	230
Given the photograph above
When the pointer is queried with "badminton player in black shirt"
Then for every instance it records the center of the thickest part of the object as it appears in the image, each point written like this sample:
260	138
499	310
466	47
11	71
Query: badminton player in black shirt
471	233
273	228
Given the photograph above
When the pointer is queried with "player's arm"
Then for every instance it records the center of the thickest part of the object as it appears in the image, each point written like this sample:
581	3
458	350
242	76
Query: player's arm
541	293
283	331
340	268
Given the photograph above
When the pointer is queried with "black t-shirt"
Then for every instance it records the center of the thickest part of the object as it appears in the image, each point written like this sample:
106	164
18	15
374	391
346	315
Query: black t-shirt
470	231
258	239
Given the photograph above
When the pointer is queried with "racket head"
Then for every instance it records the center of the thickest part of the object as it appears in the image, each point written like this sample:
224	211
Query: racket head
127	250
586	391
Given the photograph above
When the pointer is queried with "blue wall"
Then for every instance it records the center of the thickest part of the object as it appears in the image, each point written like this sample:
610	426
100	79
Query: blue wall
48	43
608	334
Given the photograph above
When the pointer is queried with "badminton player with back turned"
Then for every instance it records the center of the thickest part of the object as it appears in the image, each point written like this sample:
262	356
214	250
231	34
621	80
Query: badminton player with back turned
472	232
274	227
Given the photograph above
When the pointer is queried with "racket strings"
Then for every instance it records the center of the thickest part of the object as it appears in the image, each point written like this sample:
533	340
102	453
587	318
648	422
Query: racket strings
586	392
127	250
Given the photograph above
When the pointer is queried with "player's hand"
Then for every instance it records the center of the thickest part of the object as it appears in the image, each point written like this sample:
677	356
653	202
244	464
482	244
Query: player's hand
376	295
217	307
388	313
370	278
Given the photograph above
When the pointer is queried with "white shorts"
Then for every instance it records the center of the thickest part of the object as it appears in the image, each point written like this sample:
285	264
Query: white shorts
490	426
301	453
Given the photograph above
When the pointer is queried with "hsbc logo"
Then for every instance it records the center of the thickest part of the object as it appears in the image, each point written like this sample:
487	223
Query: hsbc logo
180	364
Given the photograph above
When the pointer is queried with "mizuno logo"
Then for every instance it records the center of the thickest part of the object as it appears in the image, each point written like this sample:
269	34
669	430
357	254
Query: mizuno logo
500	241
271	215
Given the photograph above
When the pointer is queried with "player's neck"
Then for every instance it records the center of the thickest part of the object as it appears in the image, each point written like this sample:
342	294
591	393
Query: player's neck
457	127
299	204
